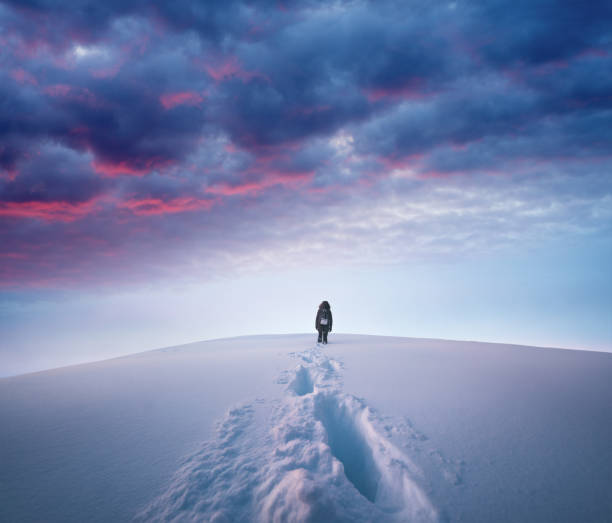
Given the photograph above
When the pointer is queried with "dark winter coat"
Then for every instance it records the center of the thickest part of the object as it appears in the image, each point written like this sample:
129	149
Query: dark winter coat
318	325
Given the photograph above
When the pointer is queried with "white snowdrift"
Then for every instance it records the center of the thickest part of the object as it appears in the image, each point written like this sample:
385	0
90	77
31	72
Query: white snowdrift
273	428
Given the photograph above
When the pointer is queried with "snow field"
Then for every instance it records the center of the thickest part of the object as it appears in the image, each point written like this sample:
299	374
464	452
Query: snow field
317	454
368	428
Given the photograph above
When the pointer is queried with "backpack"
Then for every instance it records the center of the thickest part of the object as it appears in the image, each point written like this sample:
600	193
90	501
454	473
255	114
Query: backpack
323	318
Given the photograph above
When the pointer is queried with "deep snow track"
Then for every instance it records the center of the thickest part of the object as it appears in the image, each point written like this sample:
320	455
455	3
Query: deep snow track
318	454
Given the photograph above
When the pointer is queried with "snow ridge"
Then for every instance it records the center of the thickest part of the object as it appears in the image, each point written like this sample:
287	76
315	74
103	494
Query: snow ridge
318	454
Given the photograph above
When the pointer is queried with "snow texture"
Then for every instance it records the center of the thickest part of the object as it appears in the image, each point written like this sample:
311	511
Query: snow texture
274	428
322	456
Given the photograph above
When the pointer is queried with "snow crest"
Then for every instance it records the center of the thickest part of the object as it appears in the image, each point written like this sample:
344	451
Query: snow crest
318	454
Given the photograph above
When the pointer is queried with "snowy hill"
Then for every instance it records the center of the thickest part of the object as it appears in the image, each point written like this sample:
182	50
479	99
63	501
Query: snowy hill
274	428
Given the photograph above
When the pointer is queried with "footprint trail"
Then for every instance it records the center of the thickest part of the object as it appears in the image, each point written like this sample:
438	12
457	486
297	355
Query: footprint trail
317	454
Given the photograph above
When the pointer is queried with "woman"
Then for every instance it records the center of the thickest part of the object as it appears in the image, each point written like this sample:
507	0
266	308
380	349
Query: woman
323	323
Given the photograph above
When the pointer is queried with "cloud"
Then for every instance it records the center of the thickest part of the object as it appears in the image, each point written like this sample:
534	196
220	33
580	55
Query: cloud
136	135
536	33
52	173
171	100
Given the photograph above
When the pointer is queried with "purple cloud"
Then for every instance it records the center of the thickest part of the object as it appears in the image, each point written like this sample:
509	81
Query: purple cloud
134	133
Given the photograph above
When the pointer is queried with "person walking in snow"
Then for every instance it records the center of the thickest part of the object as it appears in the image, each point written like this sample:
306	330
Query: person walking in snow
323	323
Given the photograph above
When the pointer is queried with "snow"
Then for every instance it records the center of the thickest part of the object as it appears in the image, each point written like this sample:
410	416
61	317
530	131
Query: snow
275	428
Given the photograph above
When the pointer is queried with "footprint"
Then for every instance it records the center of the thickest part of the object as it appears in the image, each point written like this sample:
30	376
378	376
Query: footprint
377	469
302	382
348	445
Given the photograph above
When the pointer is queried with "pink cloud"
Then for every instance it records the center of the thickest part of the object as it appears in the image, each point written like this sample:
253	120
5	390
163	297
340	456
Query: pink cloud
81	95
112	169
271	179
225	189
106	72
393	162
80	130
412	90
267	155
231	67
8	174
270	166
58	90
119	168
23	77
14	255
550	67
594	52
170	100
54	211
153	206
309	110
413	165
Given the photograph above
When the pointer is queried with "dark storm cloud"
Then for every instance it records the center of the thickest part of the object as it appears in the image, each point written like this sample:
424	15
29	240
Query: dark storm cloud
457	118
537	32
122	119
558	111
307	75
22	120
88	21
582	85
130	127
336	67
53	174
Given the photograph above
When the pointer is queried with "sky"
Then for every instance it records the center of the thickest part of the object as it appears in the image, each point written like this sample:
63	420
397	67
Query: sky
178	171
